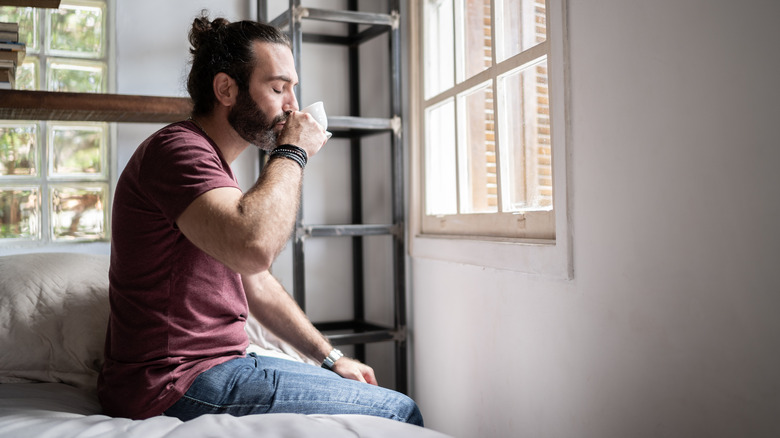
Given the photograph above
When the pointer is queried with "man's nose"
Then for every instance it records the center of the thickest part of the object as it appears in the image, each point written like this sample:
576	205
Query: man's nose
291	104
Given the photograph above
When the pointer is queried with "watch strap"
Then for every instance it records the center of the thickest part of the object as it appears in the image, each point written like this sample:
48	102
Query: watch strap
333	356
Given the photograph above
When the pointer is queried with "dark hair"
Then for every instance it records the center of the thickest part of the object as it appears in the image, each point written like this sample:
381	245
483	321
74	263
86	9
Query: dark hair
222	46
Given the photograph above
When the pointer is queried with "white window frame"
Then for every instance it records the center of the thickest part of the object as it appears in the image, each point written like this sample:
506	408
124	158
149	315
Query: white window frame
44	181
548	257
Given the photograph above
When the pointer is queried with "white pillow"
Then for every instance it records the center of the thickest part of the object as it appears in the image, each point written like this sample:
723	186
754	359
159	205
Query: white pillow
53	317
265	343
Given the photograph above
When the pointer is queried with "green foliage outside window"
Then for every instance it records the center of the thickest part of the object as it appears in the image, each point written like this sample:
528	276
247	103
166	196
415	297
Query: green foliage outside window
77	29
19	213
27	75
77	150
17	150
66	51
75	77
28	20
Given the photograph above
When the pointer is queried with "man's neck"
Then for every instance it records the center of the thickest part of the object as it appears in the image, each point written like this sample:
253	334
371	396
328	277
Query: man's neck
230	144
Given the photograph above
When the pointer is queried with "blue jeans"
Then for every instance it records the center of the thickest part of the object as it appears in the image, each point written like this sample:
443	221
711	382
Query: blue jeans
260	384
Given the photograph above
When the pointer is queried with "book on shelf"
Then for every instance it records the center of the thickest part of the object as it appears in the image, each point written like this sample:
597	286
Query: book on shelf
15	56
9	32
13	51
9	27
12	37
7	78
12	46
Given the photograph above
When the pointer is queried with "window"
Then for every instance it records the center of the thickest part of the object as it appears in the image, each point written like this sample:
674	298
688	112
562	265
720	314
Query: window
54	176
487	130
489	135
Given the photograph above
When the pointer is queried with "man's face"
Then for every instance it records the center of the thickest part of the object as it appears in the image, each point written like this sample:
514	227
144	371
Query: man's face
252	124
260	113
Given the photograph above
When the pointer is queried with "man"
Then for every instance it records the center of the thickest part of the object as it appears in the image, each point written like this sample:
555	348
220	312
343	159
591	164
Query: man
191	252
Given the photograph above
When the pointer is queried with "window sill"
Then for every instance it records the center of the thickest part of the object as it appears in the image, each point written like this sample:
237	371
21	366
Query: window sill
543	258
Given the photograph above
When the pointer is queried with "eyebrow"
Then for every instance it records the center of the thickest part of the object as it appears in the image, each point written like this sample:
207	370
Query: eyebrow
283	78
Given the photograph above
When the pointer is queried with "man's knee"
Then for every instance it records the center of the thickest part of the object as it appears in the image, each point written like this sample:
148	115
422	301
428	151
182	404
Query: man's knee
408	411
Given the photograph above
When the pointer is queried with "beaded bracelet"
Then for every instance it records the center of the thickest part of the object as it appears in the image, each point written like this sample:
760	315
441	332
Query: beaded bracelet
291	152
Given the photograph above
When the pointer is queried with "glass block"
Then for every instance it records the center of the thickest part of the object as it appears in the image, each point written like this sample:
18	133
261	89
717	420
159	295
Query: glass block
77	150
526	148
439	56
74	76
20	213
520	25
76	30
27	74
28	25
474	32
440	178
78	211
477	151
18	151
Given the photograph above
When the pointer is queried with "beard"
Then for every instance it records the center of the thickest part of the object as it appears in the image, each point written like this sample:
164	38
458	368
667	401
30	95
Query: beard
252	124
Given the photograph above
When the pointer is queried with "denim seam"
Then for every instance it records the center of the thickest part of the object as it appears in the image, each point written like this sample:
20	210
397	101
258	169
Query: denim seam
215	406
389	412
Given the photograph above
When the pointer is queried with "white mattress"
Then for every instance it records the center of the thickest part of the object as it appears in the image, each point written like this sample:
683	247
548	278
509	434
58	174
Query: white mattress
57	410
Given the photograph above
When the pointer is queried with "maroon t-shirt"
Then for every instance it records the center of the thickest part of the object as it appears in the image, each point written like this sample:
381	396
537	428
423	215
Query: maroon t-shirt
175	311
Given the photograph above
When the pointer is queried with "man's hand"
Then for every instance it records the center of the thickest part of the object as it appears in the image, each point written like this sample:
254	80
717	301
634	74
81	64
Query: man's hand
303	131
352	369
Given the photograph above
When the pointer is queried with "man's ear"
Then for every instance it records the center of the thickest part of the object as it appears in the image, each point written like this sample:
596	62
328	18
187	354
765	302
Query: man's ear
225	89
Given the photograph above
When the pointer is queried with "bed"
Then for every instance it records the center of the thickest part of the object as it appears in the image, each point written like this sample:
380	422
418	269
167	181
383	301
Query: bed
53	315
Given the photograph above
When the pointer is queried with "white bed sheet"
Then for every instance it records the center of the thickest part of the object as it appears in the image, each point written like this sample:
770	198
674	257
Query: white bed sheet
57	410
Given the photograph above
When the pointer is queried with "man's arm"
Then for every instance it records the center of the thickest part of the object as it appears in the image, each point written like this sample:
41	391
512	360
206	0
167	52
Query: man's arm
247	231
279	313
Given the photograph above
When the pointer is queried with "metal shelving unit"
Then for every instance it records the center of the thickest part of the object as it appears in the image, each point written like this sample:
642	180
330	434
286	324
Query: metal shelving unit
361	27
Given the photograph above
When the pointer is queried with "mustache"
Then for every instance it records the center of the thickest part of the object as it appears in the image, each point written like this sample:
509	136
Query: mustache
281	118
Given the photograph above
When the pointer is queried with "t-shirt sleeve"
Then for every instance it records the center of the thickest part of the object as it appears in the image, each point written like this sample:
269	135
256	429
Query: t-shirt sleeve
180	167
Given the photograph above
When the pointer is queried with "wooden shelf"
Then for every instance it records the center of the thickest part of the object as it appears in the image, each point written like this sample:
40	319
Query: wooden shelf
52	4
89	107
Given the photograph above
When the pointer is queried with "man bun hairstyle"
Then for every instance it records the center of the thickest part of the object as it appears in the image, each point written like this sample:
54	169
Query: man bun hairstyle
220	46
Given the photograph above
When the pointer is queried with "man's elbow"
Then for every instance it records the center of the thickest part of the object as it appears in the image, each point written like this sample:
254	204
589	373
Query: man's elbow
253	259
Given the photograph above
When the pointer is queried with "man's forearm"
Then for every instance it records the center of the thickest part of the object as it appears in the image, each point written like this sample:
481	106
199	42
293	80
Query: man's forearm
279	313
272	203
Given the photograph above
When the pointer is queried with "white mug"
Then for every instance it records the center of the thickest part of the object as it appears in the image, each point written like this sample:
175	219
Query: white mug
317	110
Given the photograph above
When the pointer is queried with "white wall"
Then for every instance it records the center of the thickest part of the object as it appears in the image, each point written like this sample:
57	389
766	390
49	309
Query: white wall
152	55
669	326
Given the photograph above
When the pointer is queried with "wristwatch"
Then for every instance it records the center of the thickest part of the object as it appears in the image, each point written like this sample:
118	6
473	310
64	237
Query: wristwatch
333	356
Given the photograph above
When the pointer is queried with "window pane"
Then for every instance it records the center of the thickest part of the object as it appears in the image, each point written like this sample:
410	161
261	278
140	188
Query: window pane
78	77
78	212
477	154
18	149
440	179
77	30
521	24
475	45
20	213
439	47
28	24
526	150
27	74
77	150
